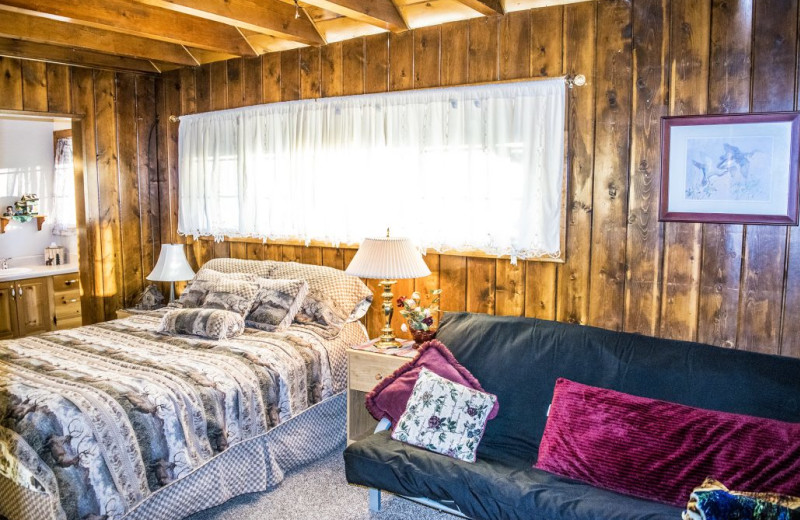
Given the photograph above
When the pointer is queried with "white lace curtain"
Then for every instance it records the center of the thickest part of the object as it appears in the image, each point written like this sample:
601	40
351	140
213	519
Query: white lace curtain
455	168
63	212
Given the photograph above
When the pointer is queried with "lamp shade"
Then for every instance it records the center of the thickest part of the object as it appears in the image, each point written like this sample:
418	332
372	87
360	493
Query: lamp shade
392	258
172	265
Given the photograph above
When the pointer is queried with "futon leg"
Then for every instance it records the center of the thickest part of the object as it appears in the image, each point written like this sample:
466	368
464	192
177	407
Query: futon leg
374	500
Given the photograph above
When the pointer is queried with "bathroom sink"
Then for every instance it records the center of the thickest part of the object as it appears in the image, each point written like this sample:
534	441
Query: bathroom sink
13	271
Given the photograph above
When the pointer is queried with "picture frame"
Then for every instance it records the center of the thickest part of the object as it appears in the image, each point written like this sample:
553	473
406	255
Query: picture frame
730	169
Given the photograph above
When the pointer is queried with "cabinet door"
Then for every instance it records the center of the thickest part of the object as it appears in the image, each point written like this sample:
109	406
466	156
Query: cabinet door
8	310
33	306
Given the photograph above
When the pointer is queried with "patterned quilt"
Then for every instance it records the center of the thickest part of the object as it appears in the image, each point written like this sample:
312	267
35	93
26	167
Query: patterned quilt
105	415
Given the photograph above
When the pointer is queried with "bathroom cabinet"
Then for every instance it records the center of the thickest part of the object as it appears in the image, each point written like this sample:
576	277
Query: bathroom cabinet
41	304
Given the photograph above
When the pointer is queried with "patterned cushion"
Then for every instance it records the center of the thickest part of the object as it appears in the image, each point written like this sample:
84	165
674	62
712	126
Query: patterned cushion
713	501
444	417
334	298
195	292
277	303
208	323
231	295
256	268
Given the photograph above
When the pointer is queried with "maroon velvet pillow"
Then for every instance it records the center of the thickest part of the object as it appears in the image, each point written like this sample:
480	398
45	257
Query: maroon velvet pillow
390	397
660	450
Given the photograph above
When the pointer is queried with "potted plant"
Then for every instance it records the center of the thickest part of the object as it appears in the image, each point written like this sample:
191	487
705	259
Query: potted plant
420	319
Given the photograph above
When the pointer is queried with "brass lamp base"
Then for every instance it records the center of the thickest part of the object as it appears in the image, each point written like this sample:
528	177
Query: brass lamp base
387	339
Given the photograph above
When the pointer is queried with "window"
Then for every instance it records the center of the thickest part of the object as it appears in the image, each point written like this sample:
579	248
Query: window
477	168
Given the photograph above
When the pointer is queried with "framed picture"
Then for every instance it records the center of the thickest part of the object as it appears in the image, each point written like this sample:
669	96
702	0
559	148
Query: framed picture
730	168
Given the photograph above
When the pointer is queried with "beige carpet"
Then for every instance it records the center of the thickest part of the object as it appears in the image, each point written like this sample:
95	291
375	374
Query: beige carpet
318	491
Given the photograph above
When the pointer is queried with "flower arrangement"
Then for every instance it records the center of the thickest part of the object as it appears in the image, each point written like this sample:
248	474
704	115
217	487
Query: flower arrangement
417	316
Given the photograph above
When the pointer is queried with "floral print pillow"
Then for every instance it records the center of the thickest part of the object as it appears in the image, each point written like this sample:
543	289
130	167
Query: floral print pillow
445	417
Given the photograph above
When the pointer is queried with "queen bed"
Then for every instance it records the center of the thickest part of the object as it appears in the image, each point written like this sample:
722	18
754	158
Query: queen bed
122	420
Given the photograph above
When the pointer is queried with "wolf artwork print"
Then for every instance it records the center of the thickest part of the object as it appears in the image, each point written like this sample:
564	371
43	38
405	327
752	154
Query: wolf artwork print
738	169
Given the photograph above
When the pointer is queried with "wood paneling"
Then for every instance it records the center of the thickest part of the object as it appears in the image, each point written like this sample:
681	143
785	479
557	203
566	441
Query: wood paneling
643	59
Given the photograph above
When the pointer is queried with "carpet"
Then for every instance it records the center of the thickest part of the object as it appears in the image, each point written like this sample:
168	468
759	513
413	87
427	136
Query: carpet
318	490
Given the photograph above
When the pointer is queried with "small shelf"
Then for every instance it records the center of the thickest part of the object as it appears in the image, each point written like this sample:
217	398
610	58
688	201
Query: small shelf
5	220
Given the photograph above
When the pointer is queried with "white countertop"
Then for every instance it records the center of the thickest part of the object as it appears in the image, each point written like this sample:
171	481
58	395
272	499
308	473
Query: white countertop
23	272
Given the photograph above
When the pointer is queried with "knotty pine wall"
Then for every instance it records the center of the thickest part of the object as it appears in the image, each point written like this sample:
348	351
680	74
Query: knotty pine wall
119	226
731	285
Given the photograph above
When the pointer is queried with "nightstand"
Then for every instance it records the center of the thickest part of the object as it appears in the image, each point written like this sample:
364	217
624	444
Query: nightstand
366	367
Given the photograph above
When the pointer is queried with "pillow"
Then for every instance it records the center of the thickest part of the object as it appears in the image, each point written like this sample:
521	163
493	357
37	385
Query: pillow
277	303
659	450
195	292
390	397
713	501
208	323
333	298
445	417
231	295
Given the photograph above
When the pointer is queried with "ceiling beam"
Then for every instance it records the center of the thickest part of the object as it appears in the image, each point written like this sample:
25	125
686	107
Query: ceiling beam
270	17
381	13
485	7
66	56
44	30
139	20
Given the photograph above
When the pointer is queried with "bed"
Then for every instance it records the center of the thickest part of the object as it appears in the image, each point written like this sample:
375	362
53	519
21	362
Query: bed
117	420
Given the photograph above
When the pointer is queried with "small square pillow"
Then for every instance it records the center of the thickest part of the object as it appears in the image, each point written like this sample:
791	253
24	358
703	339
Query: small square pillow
195	292
231	295
389	398
277	303
713	501
207	323
444	417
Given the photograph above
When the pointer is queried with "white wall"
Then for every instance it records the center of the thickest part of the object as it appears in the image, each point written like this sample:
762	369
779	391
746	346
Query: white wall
26	166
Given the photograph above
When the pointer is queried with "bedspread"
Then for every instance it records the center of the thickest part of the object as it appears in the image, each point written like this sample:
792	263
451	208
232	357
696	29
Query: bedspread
100	417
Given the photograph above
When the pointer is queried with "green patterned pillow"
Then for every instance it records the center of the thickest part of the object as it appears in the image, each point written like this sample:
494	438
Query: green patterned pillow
207	323
445	417
231	295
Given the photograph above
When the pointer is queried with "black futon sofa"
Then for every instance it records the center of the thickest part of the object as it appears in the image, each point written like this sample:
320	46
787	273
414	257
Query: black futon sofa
519	360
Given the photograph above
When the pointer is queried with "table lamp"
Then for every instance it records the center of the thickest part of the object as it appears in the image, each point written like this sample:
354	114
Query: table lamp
172	267
387	259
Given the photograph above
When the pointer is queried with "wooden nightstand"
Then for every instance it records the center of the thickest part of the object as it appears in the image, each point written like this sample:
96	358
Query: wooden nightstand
365	369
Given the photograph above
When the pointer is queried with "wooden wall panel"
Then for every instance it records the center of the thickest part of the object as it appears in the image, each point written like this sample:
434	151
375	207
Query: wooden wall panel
726	285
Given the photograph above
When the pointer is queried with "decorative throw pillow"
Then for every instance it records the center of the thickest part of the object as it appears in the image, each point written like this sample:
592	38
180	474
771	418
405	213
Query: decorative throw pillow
333	299
445	417
713	501
389	398
231	295
195	292
277	303
208	323
659	450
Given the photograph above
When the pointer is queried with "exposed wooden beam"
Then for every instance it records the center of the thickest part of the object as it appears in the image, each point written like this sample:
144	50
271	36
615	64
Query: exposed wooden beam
263	16
139	20
485	7
381	13
67	56
43	30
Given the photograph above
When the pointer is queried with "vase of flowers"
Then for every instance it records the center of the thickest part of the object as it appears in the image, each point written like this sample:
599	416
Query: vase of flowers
419	318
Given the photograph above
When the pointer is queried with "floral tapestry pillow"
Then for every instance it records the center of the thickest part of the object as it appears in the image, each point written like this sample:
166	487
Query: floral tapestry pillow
195	293
231	295
277	303
207	323
444	417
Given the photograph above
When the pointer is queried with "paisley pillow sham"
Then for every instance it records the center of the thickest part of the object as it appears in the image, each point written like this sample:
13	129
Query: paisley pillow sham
277	303
207	323
231	295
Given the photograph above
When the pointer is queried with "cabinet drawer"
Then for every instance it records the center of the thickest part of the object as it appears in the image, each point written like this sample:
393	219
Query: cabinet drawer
67	304
66	282
367	369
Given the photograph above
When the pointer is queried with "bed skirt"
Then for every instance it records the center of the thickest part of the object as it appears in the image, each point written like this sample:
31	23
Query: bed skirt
254	465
